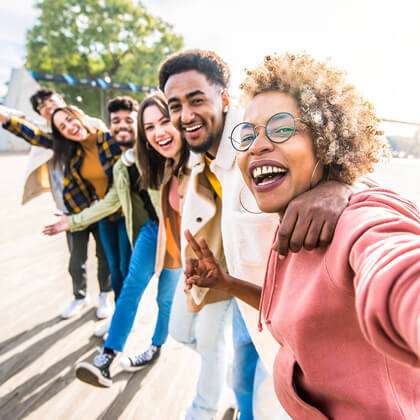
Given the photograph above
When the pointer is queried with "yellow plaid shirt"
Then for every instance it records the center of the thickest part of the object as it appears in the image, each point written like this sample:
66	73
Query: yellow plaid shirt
78	193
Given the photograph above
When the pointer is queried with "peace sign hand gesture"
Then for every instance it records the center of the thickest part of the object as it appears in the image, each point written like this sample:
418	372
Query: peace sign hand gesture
205	270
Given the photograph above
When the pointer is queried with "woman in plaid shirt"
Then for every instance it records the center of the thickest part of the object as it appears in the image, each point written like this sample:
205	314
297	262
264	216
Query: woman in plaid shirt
87	155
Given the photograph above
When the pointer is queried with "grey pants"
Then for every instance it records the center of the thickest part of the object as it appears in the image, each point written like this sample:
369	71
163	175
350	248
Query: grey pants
78	246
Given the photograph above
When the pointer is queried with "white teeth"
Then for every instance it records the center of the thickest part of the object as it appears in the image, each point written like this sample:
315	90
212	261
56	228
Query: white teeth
267	170
195	127
164	142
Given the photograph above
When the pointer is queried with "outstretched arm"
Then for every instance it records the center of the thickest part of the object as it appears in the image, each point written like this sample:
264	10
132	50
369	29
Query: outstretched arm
62	225
6	113
386	260
26	131
380	245
205	271
97	211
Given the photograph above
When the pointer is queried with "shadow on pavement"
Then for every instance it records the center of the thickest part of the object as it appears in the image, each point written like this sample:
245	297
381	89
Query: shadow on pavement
121	401
17	405
20	338
21	360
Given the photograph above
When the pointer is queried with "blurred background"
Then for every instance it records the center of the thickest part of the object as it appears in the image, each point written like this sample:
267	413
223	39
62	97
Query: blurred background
91	50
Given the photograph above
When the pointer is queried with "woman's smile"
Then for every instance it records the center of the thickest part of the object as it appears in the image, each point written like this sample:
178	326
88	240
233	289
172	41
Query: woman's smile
266	174
276	172
160	133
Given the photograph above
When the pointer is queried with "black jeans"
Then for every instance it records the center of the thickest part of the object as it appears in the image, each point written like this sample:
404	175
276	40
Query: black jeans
78	246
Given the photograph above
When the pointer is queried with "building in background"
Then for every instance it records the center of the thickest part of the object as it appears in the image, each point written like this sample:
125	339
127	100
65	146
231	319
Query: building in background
21	87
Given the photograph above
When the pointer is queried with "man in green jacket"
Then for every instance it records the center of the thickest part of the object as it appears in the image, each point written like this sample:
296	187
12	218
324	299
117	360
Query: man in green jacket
124	209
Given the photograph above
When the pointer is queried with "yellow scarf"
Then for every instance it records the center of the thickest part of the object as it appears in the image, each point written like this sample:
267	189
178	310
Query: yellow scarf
212	178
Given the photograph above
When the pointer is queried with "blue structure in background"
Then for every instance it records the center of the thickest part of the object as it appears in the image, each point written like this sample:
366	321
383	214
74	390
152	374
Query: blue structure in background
97	83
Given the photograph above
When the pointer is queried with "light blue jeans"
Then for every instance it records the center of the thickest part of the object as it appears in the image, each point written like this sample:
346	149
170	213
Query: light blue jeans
142	265
245	360
204	331
252	384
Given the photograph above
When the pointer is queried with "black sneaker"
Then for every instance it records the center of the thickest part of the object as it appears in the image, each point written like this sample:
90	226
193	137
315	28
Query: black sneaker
231	414
131	364
96	373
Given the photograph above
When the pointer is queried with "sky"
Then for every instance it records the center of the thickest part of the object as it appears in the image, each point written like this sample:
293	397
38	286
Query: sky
377	42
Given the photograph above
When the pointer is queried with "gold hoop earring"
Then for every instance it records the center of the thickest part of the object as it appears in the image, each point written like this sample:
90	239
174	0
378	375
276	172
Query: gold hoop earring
313	173
242	205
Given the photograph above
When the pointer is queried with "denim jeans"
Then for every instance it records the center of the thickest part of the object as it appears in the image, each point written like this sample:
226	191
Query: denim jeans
117	250
252	384
142	265
266	404
78	246
204	331
245	360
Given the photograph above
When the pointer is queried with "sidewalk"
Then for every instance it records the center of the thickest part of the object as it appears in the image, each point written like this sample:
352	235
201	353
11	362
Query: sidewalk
38	350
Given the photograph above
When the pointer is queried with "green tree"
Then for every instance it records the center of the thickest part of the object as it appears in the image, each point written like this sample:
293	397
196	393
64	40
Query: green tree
113	39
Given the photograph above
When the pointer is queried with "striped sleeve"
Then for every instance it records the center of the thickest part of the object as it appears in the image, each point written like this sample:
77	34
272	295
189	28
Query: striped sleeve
28	132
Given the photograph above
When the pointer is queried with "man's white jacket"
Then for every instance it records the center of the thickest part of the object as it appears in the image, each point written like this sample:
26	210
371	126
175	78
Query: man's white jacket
246	237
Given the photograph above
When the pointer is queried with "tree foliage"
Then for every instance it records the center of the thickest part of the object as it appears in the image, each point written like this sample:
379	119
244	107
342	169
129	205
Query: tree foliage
114	39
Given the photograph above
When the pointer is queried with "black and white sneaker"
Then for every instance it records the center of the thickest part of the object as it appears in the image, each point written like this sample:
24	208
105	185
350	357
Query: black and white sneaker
96	373
133	363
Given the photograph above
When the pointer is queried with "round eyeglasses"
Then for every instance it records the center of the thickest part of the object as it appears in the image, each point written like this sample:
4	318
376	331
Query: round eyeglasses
279	128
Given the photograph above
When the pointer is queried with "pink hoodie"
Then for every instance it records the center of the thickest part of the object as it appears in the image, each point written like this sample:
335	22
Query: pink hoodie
347	317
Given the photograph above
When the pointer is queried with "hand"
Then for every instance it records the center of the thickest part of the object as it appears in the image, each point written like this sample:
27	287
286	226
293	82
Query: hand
62	225
4	115
203	271
310	219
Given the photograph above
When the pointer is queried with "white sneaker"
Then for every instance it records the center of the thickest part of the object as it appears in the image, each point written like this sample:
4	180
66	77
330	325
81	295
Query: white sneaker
102	330
104	309
134	363
74	308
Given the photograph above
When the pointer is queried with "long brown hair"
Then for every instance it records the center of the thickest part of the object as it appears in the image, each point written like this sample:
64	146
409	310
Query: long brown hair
152	163
64	148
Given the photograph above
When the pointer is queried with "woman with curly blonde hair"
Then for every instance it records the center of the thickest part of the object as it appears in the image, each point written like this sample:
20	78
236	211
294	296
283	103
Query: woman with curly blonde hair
346	317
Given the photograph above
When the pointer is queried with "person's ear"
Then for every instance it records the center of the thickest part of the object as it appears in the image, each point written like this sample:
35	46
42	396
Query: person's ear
225	100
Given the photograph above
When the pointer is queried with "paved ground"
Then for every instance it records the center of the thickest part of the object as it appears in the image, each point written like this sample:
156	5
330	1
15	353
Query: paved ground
38	350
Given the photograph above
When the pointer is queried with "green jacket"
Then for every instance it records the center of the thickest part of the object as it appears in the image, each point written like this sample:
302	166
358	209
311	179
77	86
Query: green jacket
120	195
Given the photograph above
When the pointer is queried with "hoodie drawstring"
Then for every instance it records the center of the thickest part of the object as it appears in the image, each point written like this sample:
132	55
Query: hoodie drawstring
263	293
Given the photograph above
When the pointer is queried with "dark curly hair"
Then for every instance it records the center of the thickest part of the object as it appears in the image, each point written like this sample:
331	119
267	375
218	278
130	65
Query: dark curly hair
41	96
205	62
124	103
